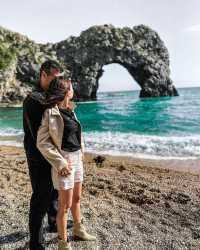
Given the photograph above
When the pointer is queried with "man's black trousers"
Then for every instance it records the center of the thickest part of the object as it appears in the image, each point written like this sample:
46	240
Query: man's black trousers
44	200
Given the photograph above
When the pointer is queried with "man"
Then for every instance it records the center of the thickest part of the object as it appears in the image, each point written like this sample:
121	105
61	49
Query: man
44	197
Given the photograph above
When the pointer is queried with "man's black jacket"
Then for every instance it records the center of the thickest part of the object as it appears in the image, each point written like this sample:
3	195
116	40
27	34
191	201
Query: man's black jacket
32	117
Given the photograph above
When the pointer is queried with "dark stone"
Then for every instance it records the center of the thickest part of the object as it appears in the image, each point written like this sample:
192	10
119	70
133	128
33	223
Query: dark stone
121	168
99	160
196	232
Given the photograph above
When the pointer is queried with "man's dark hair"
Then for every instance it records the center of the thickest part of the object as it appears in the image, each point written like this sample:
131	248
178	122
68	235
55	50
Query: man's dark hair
48	65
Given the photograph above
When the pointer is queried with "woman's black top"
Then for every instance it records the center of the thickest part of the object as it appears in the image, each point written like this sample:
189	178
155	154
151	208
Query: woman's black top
71	140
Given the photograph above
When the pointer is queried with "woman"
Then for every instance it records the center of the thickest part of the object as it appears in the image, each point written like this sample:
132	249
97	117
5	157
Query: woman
60	140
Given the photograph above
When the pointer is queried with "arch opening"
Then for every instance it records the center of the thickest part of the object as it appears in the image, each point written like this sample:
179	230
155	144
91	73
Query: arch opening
115	77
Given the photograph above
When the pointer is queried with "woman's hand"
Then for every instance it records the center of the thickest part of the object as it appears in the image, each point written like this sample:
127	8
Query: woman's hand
65	171
82	155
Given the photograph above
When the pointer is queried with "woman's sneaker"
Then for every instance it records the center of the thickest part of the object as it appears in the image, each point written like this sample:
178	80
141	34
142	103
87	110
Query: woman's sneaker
64	245
80	232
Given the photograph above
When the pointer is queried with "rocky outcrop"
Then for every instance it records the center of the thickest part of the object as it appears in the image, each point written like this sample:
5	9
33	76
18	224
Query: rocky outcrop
139	49
11	89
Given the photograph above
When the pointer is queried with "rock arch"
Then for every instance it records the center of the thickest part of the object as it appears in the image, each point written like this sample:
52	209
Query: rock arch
139	49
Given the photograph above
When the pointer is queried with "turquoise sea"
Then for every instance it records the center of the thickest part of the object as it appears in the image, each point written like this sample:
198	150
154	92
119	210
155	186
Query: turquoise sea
122	123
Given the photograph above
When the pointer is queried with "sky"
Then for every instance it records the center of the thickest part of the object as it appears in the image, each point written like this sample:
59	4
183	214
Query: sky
176	21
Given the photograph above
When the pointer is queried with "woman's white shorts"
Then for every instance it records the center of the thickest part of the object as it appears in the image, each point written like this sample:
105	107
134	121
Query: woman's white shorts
64	183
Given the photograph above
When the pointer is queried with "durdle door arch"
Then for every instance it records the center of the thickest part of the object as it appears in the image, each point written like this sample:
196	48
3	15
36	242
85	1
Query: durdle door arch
139	49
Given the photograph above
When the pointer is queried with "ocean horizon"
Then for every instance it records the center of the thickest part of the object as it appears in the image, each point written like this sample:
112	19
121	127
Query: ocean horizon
121	123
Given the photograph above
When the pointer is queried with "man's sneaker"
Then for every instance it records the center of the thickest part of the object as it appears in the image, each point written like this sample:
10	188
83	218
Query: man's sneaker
38	247
52	228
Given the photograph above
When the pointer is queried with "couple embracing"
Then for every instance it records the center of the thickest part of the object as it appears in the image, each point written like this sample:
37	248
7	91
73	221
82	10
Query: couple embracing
54	147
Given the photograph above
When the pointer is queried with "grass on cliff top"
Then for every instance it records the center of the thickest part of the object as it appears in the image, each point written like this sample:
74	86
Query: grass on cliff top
7	55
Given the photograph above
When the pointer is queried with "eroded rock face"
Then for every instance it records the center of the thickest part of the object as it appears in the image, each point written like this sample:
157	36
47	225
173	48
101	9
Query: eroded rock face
139	49
12	90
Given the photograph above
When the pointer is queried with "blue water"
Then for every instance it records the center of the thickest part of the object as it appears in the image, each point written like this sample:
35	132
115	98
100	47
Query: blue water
122	123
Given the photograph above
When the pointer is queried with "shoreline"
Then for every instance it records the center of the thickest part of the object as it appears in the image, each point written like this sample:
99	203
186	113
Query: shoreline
183	165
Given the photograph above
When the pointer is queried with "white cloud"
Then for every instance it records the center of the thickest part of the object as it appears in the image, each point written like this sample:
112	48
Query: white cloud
193	28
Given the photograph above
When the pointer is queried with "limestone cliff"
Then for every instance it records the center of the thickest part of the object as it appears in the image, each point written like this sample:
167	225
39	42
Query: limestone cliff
139	49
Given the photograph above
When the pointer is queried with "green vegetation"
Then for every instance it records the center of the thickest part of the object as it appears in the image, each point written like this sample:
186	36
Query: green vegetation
7	55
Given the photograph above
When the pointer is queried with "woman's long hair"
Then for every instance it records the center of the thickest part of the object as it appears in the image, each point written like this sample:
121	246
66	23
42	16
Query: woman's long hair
56	92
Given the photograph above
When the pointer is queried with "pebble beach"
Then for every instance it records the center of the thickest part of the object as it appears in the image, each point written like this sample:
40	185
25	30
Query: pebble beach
127	203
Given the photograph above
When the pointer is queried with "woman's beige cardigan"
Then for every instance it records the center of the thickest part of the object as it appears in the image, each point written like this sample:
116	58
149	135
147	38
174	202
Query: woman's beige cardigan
49	138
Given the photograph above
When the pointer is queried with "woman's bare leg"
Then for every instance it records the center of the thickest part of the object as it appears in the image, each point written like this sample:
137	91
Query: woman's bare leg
75	208
78	228
64	203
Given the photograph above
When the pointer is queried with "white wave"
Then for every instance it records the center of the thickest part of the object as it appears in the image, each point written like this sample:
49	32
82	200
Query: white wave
10	132
11	137
135	145
11	143
140	156
145	146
